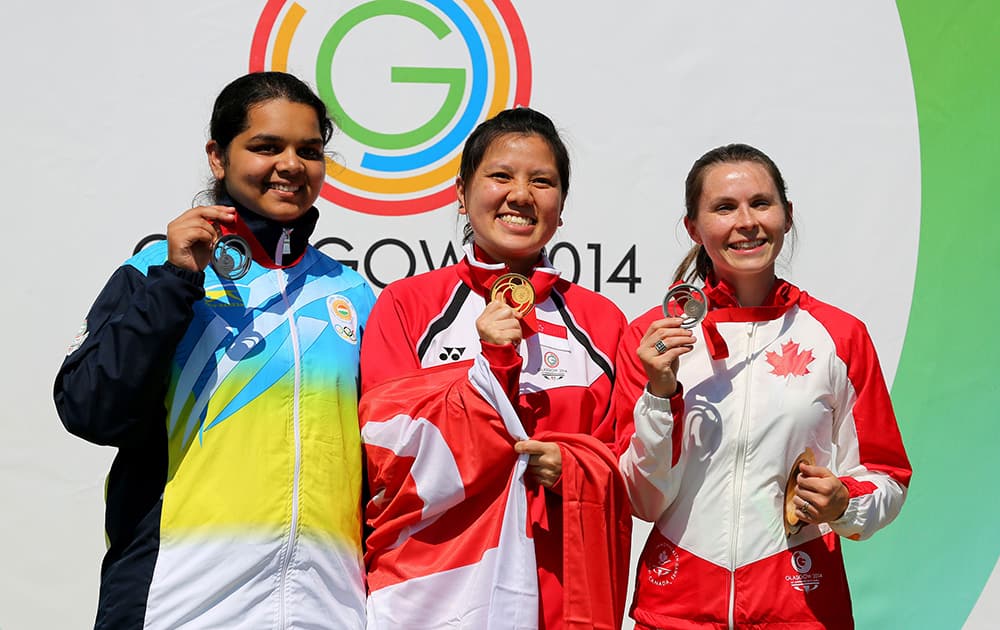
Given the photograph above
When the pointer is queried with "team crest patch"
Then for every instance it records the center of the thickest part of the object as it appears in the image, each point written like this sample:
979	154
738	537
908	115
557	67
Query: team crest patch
664	562
78	339
550	368
804	579
344	318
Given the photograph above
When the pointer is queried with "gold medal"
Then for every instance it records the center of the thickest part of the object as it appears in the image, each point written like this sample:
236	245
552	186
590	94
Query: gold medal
514	290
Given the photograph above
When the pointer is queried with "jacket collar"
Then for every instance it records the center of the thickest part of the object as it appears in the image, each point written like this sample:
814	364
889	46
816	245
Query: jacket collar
268	238
724	307
479	272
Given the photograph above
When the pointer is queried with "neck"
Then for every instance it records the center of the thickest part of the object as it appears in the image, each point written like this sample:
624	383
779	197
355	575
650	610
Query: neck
752	291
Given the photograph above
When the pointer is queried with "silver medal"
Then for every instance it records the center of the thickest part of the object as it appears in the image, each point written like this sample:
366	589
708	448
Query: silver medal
687	302
231	257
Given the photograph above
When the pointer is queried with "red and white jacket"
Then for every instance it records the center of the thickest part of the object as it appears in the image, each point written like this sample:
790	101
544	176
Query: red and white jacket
564	381
709	465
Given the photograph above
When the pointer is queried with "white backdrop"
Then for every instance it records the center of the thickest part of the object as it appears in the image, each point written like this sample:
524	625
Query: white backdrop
105	116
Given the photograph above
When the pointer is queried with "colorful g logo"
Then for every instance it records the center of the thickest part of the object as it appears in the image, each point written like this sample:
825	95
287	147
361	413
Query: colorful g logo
409	171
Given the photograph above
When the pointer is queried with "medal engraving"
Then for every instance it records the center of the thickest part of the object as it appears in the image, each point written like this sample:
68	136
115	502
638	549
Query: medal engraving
231	257
514	290
687	302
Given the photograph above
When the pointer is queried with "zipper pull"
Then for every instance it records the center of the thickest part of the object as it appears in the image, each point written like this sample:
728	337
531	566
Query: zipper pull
284	247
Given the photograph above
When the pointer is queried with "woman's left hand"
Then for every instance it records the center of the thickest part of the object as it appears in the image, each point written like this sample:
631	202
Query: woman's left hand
820	497
545	461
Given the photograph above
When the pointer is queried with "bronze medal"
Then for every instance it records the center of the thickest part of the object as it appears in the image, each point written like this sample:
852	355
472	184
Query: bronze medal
792	522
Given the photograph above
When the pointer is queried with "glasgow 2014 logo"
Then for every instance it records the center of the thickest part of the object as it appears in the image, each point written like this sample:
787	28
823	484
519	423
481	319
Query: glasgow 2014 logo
403	125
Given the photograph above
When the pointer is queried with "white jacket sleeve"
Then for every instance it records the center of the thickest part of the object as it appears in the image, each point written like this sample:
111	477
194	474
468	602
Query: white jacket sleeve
870	458
651	464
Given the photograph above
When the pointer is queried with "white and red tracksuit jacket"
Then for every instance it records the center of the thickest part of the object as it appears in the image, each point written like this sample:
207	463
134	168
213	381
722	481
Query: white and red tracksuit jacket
565	378
709	465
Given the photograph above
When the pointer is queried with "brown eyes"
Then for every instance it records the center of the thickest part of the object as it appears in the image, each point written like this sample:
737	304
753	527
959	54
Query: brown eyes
306	153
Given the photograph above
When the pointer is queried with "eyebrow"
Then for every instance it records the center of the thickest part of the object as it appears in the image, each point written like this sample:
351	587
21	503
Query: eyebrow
266	137
507	167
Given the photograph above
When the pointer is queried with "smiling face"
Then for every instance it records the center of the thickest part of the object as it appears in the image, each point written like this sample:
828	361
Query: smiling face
741	222
513	199
275	167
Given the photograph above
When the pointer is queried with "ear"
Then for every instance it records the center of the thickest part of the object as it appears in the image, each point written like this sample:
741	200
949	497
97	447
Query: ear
692	230
788	222
216	159
460	193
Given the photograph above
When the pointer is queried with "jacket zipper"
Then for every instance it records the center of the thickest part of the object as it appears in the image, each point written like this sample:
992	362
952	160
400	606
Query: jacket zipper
284	246
741	452
294	524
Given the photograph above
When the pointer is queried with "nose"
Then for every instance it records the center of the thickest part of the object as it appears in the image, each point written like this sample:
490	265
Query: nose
290	162
745	218
518	194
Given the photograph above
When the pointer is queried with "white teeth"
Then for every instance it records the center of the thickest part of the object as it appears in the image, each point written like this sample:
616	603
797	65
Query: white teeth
748	244
285	188
516	219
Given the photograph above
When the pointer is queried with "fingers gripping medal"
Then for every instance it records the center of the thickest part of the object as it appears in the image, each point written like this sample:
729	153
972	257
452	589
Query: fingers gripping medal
687	302
231	257
516	291
792	522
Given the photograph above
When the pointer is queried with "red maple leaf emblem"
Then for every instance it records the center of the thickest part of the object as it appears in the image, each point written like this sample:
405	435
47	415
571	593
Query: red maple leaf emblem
790	362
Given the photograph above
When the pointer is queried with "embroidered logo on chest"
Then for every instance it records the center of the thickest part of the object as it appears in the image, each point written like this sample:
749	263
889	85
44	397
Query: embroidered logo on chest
344	318
550	366
805	579
790	362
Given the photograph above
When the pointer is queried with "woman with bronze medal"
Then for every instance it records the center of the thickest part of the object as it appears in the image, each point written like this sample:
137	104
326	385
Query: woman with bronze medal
755	427
222	364
486	414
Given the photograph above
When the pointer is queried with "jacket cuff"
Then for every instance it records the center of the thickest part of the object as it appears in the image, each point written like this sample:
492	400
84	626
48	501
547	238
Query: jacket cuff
196	278
505	363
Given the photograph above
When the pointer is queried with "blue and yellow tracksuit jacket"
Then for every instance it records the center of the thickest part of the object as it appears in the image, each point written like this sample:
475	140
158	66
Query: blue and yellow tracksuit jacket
234	498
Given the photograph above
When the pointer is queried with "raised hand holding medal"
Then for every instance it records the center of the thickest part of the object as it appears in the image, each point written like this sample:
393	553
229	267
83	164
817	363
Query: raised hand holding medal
666	340
192	237
510	301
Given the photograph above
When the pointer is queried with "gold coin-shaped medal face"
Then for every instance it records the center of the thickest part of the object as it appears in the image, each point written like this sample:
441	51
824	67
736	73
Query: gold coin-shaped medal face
514	290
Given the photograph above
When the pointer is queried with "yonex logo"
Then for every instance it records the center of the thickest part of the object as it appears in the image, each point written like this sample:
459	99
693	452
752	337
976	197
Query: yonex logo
451	354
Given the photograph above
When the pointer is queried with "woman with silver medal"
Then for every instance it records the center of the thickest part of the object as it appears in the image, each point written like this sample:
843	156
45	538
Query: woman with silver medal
223	366
754	425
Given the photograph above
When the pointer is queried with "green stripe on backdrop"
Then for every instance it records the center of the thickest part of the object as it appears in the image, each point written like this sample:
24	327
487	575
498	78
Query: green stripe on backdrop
928	568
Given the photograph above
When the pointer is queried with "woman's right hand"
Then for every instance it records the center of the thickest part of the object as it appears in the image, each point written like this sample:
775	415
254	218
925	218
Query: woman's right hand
660	350
499	324
191	237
